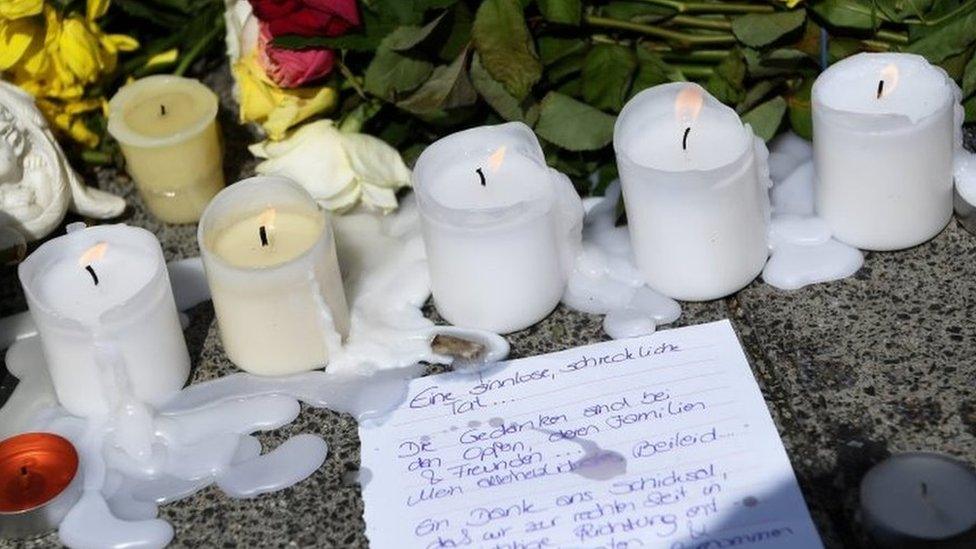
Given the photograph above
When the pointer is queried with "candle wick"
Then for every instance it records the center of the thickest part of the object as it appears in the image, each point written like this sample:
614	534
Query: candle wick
162	110
684	140
23	470
91	271
263	233
481	174
925	490
880	88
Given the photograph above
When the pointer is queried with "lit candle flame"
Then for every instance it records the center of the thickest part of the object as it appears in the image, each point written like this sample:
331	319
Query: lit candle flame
688	104
889	80
496	159
93	254
267	218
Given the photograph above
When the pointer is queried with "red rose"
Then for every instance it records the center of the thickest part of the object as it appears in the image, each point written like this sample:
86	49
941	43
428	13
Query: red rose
307	17
292	68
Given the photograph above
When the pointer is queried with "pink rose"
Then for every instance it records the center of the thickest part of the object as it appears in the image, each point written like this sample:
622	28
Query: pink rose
307	17
292	68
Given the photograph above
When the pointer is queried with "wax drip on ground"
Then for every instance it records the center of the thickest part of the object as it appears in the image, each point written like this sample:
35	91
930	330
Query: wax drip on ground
138	458
605	279
802	248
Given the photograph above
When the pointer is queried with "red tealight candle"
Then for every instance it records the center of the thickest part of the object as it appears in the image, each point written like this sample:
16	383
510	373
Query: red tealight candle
37	471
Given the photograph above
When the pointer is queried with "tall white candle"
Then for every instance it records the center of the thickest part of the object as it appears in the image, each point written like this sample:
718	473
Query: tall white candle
103	305
695	186
500	227
884	131
271	263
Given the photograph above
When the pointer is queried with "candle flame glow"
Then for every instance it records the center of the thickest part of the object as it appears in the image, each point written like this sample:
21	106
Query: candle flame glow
888	75
496	159
267	218
93	254
688	104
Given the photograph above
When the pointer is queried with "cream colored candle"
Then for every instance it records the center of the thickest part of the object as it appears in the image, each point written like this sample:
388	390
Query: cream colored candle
271	264
166	126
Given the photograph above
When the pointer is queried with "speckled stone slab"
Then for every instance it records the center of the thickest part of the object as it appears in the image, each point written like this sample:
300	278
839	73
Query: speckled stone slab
851	370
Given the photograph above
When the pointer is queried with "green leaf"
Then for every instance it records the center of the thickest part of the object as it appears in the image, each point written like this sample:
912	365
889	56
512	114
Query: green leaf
459	33
727	84
766	118
494	92
760	29
947	40
573	125
448	88
970	107
505	46
969	78
899	10
651	71
391	74
566	12
553	49
405	38
847	14
607	71
757	93
801	119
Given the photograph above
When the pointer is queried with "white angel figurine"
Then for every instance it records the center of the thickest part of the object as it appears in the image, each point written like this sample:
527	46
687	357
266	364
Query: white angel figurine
37	185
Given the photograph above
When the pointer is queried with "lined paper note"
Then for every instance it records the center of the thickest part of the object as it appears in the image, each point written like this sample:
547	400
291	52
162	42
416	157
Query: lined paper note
662	441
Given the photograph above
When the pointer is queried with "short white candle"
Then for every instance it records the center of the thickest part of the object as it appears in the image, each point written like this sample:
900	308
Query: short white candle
271	263
695	191
101	294
499	226
884	127
917	497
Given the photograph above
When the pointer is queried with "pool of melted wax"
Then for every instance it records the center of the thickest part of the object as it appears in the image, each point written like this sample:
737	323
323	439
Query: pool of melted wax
596	463
137	458
606	281
802	248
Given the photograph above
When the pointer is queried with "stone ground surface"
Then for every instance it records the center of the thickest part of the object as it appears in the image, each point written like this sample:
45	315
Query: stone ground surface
851	371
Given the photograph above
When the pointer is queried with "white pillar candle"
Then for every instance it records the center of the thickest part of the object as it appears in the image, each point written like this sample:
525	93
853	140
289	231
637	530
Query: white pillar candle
884	129
271	263
101	298
695	186
499	226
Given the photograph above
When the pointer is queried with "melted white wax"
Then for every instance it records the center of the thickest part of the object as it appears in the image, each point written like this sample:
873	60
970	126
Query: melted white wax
802	249
137	458
605	279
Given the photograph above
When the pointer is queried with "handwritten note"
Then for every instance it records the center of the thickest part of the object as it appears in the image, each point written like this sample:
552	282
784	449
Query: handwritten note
662	441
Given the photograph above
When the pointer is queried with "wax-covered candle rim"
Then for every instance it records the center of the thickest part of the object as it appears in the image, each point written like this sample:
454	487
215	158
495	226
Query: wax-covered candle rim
130	92
868	482
828	77
622	141
483	141
78	241
228	193
51	442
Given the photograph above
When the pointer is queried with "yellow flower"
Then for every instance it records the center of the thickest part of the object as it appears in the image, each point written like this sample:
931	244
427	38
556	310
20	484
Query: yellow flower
16	9
276	109
57	58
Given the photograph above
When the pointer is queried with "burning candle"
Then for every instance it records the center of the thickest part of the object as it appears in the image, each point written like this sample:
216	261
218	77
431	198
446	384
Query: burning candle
271	263
166	126
694	183
38	483
103	306
919	498
885	127
500	228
